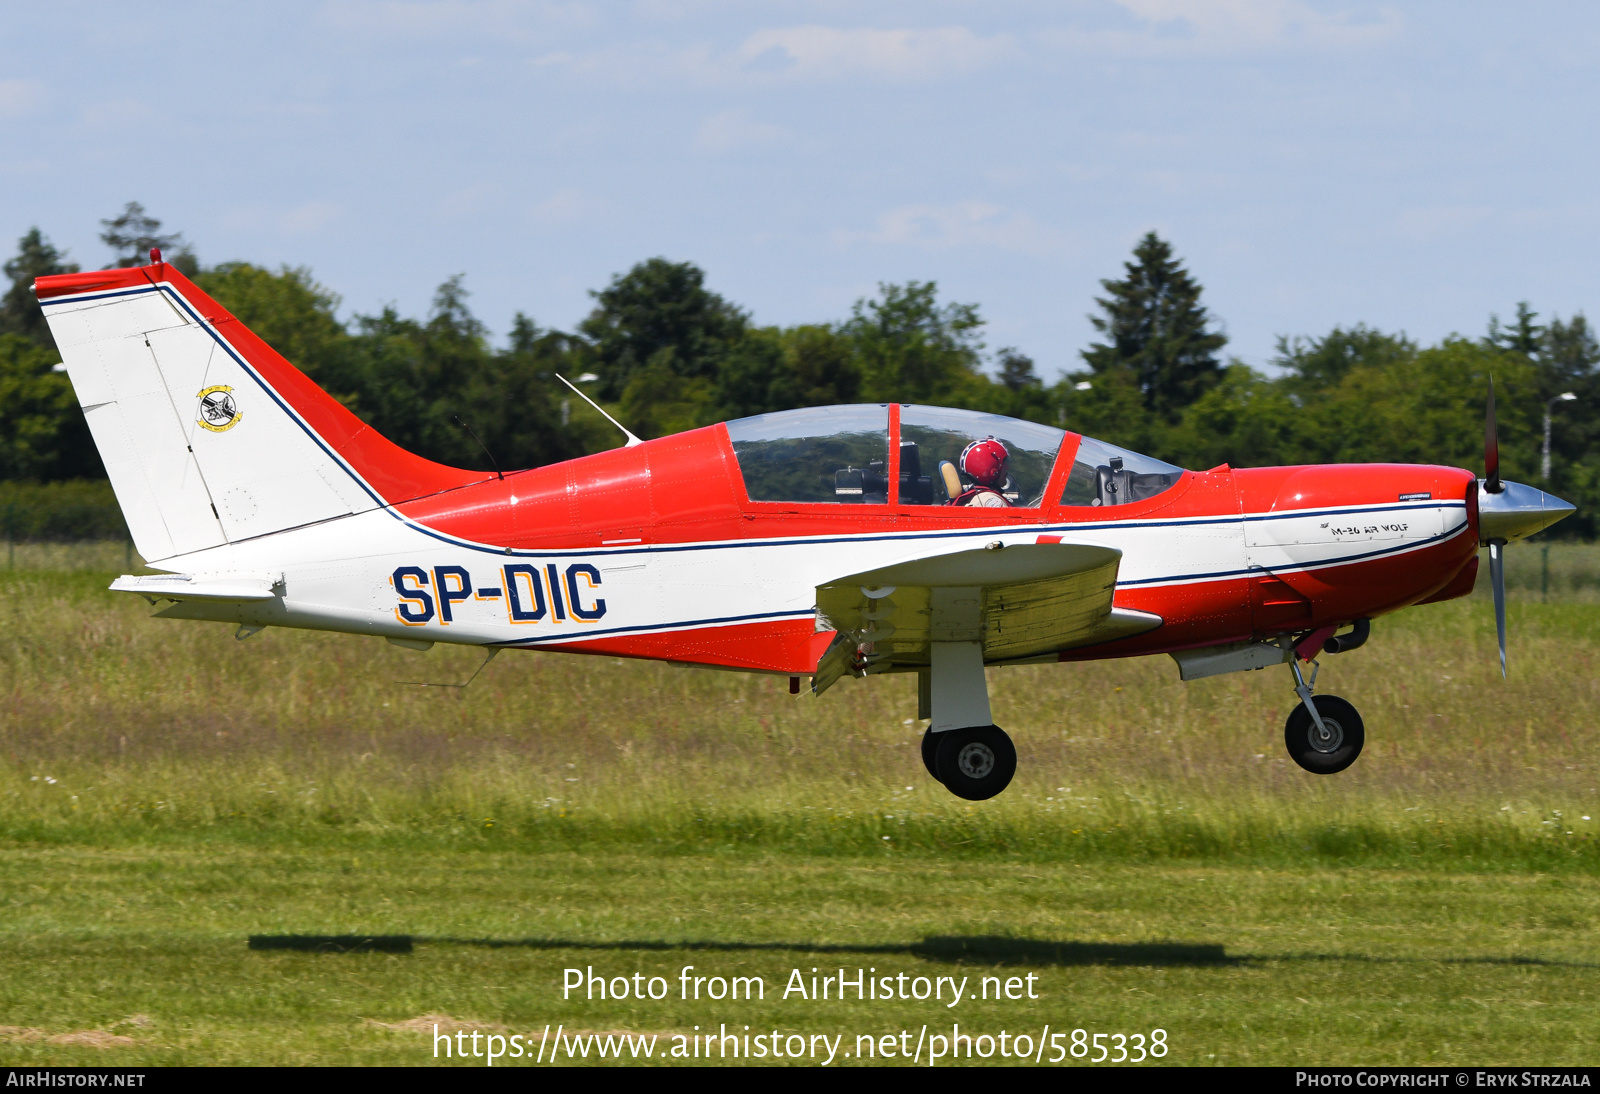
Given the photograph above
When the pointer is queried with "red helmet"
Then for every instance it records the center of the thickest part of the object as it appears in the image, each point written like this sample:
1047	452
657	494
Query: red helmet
985	461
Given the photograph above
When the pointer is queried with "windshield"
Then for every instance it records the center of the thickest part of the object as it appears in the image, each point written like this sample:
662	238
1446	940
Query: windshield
1103	474
962	457
828	453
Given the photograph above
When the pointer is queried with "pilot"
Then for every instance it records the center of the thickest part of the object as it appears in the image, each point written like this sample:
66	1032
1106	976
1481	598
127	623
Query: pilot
984	462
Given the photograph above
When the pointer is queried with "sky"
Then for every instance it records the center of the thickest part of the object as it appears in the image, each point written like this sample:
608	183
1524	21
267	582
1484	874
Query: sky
1411	166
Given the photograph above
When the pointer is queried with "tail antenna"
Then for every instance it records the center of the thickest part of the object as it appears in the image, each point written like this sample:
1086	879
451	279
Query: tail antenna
632	440
494	462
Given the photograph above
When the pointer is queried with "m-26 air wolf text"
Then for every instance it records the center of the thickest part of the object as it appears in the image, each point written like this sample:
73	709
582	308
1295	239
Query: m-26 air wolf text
526	593
1370	529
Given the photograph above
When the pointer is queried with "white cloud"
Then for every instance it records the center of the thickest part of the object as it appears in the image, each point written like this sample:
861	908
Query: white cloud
964	224
1230	26
566	206
470	201
18	97
117	114
308	218
455	19
788	54
1442	222
830	52
736	129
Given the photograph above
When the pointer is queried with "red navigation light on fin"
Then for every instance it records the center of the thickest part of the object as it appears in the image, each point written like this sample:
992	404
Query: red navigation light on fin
155	256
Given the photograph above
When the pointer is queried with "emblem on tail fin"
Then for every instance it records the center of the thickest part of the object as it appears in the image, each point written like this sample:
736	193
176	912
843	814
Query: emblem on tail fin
218	412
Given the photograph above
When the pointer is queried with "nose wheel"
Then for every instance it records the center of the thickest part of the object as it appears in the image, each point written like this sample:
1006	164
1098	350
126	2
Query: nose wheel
1330	747
1324	735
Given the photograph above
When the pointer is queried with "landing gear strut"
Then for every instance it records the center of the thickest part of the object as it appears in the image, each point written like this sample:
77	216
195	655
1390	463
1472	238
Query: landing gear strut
1324	735
963	749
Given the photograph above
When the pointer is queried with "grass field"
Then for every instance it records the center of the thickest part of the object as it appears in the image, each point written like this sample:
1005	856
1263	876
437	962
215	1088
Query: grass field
166	792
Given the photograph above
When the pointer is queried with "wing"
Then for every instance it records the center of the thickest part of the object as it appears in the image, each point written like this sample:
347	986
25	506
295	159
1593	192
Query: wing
1024	601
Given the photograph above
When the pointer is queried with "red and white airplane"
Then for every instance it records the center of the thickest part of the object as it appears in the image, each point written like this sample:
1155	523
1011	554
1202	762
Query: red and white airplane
824	542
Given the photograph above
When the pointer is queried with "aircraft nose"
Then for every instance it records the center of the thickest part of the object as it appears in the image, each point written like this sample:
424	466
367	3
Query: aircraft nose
1517	511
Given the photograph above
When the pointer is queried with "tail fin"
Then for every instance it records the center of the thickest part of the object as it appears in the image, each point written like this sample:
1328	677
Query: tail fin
208	435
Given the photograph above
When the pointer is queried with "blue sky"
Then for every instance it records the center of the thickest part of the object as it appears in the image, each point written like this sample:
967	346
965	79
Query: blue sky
1411	166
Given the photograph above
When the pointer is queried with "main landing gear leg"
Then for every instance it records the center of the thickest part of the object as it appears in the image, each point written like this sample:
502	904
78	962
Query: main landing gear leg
1325	735
963	749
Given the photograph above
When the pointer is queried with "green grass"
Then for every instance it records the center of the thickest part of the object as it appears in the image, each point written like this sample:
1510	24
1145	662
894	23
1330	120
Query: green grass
166	791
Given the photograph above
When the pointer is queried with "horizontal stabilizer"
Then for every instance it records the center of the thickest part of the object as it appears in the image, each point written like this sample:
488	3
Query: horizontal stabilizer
229	587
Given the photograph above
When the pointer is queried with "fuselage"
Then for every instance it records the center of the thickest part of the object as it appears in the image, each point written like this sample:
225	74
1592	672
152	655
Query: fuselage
657	551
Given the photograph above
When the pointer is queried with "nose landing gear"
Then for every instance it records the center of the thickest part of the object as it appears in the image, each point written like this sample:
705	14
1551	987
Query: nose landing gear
1323	735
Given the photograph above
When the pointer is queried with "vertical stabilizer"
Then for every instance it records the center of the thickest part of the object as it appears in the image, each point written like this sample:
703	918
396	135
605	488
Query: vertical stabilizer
208	436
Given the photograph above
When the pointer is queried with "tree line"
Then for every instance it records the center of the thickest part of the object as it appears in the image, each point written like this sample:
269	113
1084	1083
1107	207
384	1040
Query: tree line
663	352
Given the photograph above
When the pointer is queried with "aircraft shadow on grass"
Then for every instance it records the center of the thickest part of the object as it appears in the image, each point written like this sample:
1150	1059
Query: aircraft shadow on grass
984	949
976	949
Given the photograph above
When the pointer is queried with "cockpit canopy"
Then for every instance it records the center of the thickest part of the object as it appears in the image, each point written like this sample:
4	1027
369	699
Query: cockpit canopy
1103	474
840	455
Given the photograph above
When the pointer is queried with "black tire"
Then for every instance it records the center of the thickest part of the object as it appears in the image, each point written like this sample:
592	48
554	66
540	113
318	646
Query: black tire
930	752
1348	735
977	763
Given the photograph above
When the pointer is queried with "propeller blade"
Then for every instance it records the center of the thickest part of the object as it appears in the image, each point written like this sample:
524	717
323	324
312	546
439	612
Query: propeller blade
1497	578
1491	448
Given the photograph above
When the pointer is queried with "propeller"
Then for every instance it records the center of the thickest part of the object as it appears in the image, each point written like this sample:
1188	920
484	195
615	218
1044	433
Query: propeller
1507	511
1497	560
1491	448
1497	578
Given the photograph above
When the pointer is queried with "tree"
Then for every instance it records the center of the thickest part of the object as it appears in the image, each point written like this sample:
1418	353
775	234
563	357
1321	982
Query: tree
1524	336
292	314
528	418
1157	329
19	310
1316	364
1569	351
1244	420
43	434
1016	370
135	232
912	349
773	368
659	313
1110	407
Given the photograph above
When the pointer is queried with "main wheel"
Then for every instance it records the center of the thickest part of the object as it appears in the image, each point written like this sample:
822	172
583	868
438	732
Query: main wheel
976	763
930	752
1325	751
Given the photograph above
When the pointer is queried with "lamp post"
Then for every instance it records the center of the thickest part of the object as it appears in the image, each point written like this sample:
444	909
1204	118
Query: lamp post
1544	457
1544	477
